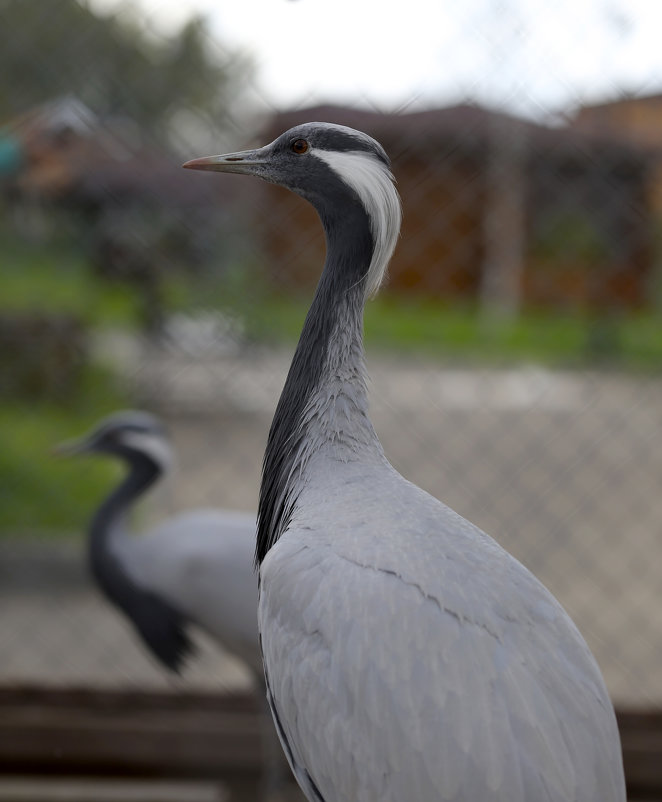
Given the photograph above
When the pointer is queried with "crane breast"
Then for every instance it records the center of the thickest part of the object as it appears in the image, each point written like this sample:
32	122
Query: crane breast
429	665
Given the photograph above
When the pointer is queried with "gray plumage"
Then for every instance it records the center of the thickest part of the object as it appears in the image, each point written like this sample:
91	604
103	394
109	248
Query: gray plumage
194	568
407	655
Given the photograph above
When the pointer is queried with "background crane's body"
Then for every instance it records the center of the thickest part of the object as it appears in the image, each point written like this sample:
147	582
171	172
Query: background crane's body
193	568
214	588
407	656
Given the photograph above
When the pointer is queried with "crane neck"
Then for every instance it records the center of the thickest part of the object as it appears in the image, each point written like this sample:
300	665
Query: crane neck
108	528
323	408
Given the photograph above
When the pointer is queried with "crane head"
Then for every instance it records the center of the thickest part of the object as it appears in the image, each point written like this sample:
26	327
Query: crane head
127	434
293	157
332	166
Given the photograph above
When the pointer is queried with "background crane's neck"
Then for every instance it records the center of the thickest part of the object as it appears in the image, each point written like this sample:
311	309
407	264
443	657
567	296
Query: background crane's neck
108	529
323	407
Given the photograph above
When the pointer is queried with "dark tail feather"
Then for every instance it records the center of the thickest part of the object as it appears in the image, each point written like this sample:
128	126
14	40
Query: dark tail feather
163	628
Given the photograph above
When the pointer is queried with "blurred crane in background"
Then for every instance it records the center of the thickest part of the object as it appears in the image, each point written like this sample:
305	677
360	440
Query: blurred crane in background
194	568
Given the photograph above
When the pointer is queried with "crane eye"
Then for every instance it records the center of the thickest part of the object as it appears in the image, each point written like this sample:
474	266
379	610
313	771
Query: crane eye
299	146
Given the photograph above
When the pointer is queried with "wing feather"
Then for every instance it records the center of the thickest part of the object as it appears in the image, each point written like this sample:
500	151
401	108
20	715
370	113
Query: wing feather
466	682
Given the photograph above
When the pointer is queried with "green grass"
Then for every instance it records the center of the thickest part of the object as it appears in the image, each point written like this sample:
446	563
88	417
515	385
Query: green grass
39	493
43	493
36	276
57	277
448	331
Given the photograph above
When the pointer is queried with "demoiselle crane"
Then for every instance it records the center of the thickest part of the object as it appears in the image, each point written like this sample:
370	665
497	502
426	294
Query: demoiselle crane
193	568
408	657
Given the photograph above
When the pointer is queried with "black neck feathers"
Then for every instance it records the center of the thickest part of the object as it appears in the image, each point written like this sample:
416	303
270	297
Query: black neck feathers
339	297
158	623
143	473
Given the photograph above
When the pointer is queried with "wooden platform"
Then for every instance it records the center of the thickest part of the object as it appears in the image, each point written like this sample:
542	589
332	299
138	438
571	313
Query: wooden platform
641	739
76	733
196	737
77	789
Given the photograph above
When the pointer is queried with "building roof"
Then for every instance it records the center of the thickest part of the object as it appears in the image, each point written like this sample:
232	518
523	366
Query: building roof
632	119
70	151
65	113
465	125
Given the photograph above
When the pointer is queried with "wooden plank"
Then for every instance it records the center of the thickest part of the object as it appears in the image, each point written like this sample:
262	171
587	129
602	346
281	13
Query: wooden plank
27	789
16	695
197	736
641	740
131	734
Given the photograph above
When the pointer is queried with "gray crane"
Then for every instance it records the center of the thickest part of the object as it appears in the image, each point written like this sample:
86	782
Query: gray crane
408	657
193	568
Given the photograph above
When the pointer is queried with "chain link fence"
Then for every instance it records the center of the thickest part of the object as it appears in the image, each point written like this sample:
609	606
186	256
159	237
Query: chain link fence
514	357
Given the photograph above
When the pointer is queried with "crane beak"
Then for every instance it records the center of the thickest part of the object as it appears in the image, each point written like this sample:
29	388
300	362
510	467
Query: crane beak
245	161
71	448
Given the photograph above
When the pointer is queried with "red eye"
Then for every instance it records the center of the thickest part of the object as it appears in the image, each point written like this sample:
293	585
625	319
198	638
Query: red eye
299	146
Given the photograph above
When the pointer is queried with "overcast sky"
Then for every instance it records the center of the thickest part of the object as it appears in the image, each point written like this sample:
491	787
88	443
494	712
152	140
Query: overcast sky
532	56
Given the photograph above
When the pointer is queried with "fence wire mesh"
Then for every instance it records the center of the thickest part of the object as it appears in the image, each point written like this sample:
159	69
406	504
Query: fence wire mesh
514	356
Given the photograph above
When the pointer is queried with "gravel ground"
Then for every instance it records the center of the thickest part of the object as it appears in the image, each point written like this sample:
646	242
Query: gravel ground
563	469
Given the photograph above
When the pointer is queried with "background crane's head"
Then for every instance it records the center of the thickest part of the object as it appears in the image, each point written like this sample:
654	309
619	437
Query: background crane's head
333	167
129	435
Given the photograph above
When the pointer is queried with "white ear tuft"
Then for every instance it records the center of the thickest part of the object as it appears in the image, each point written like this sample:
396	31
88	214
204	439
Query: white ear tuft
151	445
374	184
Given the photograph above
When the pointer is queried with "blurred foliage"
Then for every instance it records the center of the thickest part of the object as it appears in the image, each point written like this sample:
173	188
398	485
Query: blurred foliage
55	277
656	277
450	331
40	492
51	281
129	70
44	355
569	235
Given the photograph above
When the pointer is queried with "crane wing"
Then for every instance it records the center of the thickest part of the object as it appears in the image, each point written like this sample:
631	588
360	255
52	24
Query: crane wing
201	563
427	663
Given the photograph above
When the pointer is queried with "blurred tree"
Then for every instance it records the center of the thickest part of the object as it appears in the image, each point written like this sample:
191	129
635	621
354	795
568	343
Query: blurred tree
115	64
